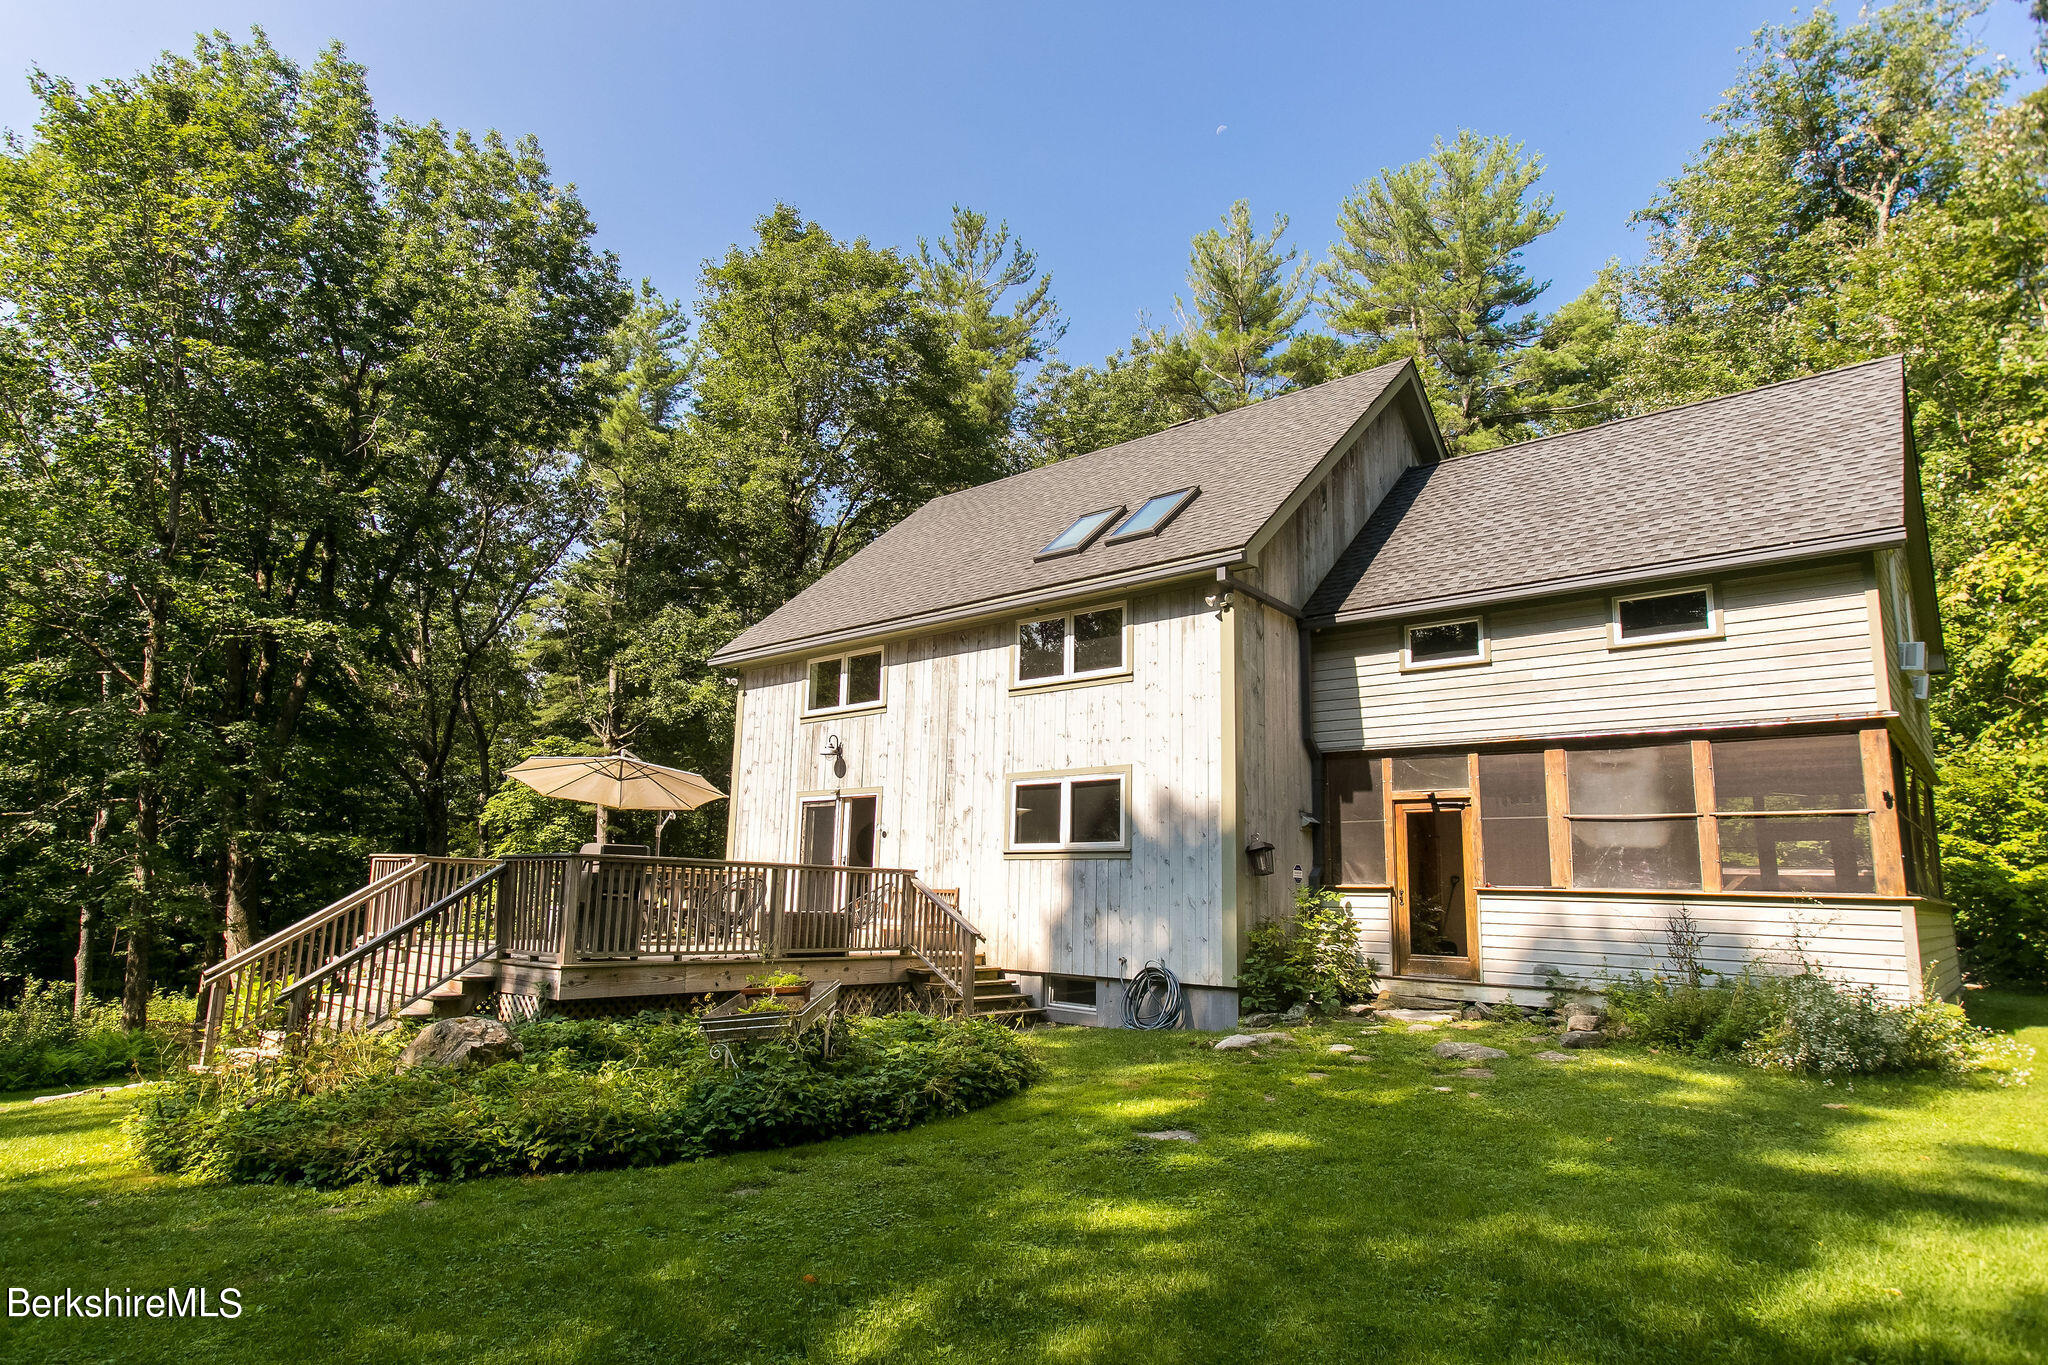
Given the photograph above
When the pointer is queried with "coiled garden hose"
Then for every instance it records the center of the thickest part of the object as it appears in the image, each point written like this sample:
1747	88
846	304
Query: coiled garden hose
1152	998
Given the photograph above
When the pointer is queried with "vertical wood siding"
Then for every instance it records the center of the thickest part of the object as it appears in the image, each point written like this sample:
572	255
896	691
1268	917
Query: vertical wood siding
941	751
1797	646
1306	547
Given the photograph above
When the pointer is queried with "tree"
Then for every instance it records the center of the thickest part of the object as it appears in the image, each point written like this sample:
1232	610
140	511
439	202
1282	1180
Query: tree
1427	264
1078	408
966	280
257	342
827	407
1248	298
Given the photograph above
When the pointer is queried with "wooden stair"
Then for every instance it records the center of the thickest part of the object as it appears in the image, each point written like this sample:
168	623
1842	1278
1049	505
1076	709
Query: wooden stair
464	995
996	994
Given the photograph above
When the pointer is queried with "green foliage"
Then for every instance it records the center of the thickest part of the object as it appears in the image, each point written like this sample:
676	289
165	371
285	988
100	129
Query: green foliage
588	1095
1248	296
1707	1018
1313	956
1427	265
43	1043
966	279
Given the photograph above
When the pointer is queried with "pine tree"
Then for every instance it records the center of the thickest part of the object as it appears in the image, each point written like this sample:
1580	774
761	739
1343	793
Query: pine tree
1248	295
1428	265
967	278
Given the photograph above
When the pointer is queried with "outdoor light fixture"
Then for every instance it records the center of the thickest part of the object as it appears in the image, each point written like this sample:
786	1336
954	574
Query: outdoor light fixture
832	747
1260	851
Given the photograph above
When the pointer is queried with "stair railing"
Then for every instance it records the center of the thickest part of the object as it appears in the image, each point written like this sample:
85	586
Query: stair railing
940	937
381	976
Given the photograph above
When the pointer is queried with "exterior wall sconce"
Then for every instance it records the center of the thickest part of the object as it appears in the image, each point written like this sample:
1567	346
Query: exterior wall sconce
832	747
1260	851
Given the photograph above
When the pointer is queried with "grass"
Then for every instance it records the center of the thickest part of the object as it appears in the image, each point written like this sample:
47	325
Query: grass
1625	1206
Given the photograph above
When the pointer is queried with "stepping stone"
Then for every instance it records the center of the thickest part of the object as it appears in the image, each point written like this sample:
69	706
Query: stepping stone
1469	1052
1444	1089
1319	1075
1171	1135
1342	1048
1418	1016
1239	1041
1477	1073
1555	1057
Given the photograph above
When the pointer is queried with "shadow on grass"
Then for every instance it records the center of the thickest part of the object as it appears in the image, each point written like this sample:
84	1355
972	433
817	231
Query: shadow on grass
1613	1208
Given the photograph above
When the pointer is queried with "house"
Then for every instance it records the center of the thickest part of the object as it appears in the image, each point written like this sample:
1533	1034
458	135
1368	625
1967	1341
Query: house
1529	710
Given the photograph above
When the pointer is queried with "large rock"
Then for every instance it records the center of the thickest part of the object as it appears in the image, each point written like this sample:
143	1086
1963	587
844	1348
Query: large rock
1580	1037
1408	1016
1584	1021
1295	1013
471	1041
1238	1041
1258	1021
1469	1052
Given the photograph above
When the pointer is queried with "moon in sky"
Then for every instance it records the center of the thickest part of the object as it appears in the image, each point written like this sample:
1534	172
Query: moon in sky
1221	126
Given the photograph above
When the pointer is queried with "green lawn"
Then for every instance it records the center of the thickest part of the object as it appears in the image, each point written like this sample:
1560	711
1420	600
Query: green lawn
1619	1207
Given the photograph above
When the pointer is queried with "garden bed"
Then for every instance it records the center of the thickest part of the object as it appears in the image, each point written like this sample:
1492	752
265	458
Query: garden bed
587	1095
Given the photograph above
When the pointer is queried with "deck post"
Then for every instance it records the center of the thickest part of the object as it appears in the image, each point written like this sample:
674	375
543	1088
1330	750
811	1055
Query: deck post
771	916
968	974
573	879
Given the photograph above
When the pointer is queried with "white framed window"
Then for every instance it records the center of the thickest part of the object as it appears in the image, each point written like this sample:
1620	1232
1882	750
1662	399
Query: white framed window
844	682
1655	618
1070	992
1081	534
1151	517
1445	644
1072	645
1070	813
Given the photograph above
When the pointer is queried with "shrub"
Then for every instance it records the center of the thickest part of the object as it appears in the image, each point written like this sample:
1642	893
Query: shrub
1831	1029
590	1094
43	1043
1312	956
1709	1018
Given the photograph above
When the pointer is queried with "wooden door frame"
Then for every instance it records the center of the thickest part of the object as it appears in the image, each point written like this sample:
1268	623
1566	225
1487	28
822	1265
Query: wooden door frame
1407	963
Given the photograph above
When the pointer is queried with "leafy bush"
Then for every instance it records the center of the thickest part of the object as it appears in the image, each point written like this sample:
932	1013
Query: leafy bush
1808	1023
589	1094
43	1043
1312	956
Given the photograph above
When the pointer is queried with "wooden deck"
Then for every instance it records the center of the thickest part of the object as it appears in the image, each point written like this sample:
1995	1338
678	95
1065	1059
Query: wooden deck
564	928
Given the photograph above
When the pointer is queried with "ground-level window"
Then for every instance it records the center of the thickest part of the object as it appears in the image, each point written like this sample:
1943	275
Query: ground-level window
1790	814
1633	818
1075	644
1076	991
1084	813
845	680
1514	820
1915	797
1355	805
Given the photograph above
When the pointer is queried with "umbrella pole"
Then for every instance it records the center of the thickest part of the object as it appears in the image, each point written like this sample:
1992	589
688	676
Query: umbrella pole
600	824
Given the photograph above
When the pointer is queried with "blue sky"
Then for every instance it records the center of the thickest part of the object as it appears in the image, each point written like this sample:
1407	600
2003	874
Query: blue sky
1091	127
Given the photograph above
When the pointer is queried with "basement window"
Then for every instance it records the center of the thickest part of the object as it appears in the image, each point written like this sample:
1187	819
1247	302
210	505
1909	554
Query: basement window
1081	534
1075	992
844	681
1151	518
1657	617
1082	813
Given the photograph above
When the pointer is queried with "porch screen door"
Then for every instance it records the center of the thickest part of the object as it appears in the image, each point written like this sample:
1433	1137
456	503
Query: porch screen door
1436	907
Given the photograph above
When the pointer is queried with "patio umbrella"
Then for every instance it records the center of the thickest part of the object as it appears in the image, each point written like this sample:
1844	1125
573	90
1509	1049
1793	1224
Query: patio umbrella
616	782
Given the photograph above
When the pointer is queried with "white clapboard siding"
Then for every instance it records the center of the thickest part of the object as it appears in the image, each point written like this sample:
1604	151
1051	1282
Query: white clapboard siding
939	755
1895	603
1592	939
1797	646
1941	974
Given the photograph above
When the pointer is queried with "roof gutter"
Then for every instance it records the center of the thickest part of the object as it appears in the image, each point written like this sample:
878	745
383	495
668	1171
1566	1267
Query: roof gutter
1620	578
966	612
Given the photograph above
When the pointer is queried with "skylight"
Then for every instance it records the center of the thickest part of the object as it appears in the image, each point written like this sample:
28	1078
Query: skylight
1151	518
1081	534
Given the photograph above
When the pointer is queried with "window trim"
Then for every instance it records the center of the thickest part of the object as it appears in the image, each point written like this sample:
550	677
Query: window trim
1069	678
846	708
1110	515
1715	629
1184	496
1066	847
1408	629
1052	1004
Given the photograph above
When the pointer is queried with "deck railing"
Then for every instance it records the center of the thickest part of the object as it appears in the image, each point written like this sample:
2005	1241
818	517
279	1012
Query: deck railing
423	921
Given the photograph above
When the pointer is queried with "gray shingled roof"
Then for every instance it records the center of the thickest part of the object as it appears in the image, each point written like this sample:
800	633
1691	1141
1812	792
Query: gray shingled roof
1782	472
978	545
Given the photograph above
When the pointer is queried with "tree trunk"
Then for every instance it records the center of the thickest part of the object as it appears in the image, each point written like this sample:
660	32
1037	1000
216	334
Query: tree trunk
135	974
81	965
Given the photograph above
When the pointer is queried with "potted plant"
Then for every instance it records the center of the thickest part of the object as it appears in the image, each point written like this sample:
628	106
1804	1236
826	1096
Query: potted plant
770	988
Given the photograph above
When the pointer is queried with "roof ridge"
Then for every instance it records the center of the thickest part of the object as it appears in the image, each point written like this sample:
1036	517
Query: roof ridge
1176	426
1519	446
